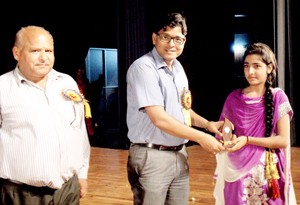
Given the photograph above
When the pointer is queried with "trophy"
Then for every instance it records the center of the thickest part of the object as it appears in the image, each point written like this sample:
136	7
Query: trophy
227	133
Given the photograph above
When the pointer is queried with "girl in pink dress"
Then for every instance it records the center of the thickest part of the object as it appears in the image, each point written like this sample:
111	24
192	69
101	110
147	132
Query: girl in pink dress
256	170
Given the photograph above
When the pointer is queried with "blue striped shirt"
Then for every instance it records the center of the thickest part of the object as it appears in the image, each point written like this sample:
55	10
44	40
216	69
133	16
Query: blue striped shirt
150	83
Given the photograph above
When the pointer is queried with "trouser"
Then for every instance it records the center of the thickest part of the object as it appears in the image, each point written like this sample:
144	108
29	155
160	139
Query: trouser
158	177
22	194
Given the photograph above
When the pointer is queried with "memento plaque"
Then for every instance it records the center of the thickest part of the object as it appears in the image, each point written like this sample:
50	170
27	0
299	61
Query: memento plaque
227	133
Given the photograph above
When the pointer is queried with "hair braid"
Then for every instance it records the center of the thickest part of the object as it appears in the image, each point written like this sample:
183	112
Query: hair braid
268	57
269	106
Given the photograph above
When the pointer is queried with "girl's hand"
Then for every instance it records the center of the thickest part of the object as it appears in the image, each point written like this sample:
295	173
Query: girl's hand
238	143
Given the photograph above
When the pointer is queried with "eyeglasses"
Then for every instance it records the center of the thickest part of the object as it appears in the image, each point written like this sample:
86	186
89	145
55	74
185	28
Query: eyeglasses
166	38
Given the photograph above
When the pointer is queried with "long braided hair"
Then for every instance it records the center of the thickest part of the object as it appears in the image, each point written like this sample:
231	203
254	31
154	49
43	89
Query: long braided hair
268	57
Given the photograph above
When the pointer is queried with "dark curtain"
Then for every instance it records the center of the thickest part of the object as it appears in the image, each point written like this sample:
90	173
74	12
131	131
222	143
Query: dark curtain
132	44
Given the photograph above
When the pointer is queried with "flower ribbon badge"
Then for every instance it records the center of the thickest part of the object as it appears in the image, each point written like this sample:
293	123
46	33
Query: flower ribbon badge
186	102
77	97
73	95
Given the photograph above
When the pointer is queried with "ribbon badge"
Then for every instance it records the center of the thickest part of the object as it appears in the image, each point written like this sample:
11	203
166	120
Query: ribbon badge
73	95
186	102
77	97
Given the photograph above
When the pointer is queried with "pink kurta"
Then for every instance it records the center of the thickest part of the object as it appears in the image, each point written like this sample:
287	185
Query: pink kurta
240	175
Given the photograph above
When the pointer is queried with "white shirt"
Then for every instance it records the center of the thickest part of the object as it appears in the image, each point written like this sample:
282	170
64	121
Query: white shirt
43	137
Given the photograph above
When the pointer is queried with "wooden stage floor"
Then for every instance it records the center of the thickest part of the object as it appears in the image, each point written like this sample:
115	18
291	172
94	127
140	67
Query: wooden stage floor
108	183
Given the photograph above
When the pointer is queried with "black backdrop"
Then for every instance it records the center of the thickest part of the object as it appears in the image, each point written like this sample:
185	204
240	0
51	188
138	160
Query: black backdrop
124	24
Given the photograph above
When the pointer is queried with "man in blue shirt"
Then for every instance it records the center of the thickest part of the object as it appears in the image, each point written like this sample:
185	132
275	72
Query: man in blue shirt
160	119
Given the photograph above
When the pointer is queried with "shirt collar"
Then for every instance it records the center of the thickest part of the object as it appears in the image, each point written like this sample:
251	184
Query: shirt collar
52	75
159	61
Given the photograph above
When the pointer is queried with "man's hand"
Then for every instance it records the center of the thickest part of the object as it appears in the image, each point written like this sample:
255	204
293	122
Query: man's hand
211	144
215	127
83	187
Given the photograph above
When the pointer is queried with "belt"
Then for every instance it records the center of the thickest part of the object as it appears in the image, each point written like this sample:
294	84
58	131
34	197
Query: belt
25	187
160	147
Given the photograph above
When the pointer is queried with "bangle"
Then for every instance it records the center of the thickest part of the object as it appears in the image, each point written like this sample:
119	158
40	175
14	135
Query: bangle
247	139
